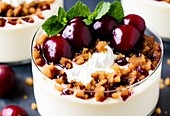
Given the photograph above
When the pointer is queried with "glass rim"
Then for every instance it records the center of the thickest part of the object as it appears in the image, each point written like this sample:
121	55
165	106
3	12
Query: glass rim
107	91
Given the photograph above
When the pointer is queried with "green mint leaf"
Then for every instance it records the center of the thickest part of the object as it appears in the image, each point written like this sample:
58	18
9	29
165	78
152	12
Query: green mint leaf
101	9
79	9
51	26
116	11
62	16
88	22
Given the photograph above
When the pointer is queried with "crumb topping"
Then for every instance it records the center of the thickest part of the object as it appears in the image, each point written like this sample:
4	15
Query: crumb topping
168	61
25	97
33	106
158	110
162	86
138	66
167	81
66	63
168	1
29	81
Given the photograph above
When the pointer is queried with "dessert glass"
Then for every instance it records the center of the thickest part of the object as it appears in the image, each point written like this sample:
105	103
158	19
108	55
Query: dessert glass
51	102
155	13
16	39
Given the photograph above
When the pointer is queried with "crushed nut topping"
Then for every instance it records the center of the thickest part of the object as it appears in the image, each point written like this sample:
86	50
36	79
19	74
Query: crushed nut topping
168	61
167	81
33	106
25	97
29	81
139	64
158	110
168	1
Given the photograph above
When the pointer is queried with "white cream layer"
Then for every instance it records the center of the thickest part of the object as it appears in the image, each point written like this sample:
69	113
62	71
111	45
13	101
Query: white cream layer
98	62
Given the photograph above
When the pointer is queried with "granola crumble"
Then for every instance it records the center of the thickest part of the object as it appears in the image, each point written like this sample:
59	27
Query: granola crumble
25	97
168	1
29	81
168	61
33	106
138	67
162	86
167	81
158	110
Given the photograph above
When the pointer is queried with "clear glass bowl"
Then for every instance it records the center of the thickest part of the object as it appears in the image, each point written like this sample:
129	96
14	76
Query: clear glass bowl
16	39
142	102
155	13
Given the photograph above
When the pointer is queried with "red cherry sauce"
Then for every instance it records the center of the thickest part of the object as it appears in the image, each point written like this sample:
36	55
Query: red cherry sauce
122	61
125	97
12	21
67	92
40	17
28	20
142	71
2	22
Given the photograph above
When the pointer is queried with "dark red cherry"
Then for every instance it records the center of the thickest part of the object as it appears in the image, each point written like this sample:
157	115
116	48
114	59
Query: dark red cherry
77	34
7	80
56	47
103	27
125	38
136	21
13	110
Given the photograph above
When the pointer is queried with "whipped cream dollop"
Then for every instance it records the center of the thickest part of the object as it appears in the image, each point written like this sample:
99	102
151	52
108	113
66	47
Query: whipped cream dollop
98	62
16	3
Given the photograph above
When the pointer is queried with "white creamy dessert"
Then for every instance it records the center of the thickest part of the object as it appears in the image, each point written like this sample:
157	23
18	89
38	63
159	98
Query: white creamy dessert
16	39
77	74
51	102
155	13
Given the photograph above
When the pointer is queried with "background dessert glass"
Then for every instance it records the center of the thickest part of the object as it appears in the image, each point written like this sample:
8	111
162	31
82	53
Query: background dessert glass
141	103
16	39
156	14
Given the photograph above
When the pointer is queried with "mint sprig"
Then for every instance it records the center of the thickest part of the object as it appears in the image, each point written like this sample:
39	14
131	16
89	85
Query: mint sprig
55	24
62	16
116	11
101	9
79	9
52	26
